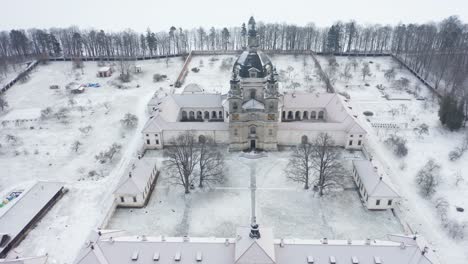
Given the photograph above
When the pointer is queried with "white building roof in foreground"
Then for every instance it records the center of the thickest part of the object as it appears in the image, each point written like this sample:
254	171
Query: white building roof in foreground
373	182
26	207
115	249
23	114
31	260
136	177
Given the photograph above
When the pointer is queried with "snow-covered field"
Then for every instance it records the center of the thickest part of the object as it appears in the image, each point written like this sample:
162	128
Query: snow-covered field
419	213
296	73
280	203
44	153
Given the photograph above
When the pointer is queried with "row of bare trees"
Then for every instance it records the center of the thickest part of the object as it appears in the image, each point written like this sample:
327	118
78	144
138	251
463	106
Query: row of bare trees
317	162
436	51
190	160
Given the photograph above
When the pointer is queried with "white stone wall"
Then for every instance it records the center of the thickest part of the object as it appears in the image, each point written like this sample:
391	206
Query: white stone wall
294	137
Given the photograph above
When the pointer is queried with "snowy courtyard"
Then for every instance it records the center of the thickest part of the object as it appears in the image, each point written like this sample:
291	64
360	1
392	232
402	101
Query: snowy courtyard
279	203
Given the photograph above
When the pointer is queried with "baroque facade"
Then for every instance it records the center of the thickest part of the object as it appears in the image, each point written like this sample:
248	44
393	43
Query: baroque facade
253	114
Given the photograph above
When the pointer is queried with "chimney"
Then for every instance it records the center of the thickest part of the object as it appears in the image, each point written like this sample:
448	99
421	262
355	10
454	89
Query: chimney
368	241
254	232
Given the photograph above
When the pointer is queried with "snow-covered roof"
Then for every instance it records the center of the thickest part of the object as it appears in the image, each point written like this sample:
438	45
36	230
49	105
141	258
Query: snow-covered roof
244	250
157	124
249	250
253	104
198	100
338	117
307	100
17	218
373	182
104	69
23	114
192	88
136	177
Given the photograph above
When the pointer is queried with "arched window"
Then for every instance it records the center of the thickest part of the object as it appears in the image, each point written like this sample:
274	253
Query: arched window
283	115
234	106
184	115
290	115
313	115
220	114
253	130
297	115
253	93
272	106
320	115
191	115
201	139
304	139
206	115
199	115
213	114
305	115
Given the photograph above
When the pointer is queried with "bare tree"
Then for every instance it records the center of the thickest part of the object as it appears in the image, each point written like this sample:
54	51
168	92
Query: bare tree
211	164
109	154
325	160
62	113
365	71
299	168
125	67
129	121
182	159
346	74
422	129
3	102
390	74
76	145
428	178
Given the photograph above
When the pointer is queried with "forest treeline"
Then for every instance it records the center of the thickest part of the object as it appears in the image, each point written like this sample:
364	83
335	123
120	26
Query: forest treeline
436	51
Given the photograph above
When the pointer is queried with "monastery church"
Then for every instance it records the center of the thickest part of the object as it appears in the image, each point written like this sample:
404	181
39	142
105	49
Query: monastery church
254	114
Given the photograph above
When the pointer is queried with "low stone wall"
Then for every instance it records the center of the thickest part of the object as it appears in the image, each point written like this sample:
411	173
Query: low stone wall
28	69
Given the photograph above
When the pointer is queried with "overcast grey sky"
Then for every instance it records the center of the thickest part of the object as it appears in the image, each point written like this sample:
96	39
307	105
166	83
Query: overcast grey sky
160	15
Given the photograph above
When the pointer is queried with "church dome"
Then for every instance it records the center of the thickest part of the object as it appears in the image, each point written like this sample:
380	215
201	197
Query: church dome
250	60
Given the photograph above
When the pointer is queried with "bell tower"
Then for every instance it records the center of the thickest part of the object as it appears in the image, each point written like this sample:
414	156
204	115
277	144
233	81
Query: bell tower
252	40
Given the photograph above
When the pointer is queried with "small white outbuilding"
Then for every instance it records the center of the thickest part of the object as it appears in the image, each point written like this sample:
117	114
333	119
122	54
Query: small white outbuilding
137	183
376	193
104	71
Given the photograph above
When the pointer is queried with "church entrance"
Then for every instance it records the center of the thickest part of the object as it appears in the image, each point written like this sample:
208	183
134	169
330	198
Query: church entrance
252	144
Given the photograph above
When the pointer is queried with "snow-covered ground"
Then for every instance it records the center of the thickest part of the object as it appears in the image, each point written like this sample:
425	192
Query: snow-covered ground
280	203
296	73
418	212
44	153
